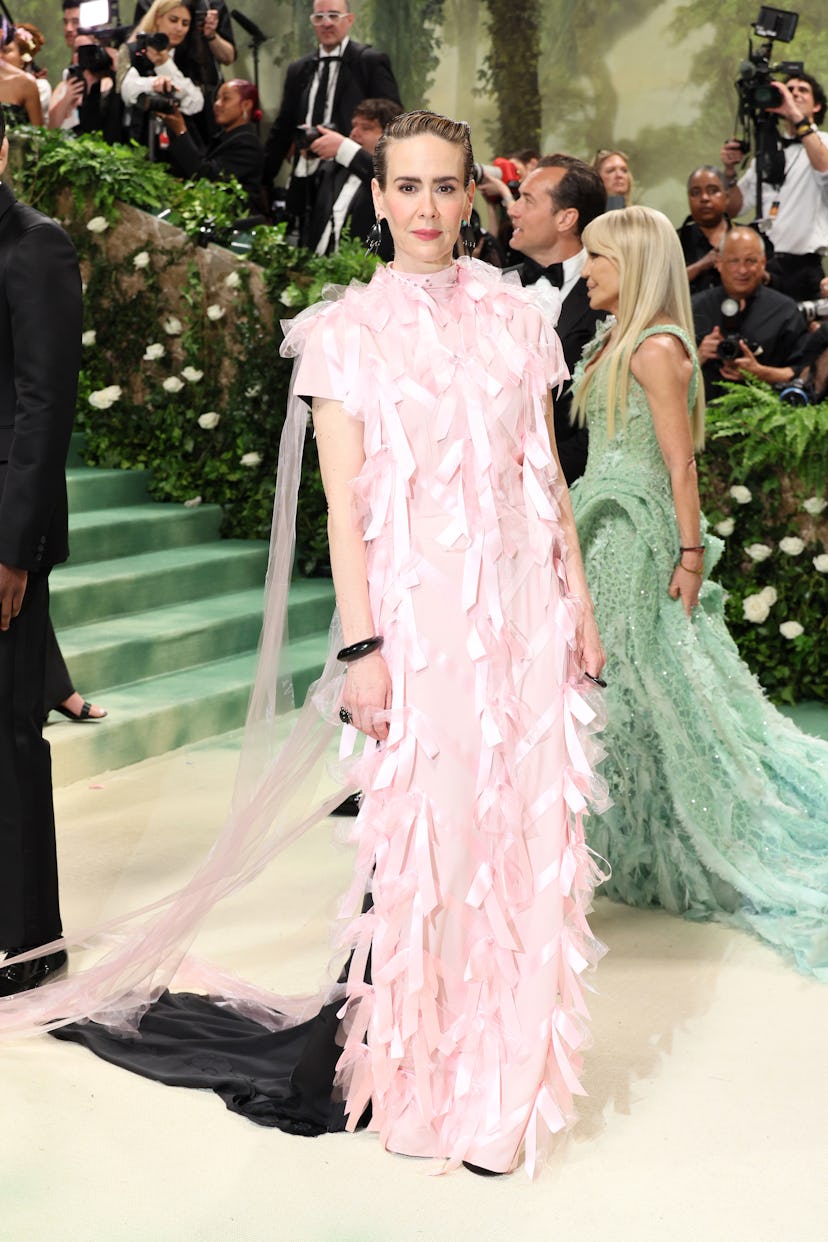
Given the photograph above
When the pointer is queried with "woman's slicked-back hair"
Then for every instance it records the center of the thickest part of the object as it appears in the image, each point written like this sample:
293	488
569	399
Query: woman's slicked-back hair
415	124
653	289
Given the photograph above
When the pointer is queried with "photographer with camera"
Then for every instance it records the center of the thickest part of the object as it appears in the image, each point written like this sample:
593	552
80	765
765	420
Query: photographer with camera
149	79
206	48
797	211
323	88
761	333
235	151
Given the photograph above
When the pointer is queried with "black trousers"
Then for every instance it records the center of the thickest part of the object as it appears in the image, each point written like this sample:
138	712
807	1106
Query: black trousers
29	908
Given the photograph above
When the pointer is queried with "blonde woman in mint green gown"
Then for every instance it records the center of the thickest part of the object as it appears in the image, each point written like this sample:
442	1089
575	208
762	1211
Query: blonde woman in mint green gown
720	803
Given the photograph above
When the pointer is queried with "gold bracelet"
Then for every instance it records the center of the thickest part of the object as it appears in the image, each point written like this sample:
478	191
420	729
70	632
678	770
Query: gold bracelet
698	572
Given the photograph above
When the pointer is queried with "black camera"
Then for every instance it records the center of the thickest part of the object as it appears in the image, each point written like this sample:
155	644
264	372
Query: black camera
756	87
814	310
306	134
759	91
730	346
159	101
158	42
94	59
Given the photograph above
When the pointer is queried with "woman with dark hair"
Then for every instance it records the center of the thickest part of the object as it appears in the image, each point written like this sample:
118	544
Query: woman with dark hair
719	803
235	151
462	652
19	96
703	232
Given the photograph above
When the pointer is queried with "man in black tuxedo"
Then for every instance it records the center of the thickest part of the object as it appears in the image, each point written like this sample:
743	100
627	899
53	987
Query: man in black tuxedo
41	316
344	192
324	88
557	201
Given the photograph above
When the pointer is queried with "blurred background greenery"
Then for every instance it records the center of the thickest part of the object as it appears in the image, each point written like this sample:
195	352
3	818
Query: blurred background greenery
655	79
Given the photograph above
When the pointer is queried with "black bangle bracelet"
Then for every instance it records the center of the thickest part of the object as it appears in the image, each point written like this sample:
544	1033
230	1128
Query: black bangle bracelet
698	548
357	650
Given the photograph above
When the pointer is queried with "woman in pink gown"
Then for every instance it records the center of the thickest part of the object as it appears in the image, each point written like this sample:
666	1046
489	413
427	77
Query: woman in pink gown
452	538
468	632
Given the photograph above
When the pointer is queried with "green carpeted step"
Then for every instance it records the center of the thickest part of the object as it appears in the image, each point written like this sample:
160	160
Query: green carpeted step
150	717
106	533
99	589
148	644
89	488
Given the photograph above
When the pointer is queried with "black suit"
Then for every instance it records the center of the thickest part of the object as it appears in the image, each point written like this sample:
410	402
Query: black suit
361	214
364	73
232	153
41	314
576	327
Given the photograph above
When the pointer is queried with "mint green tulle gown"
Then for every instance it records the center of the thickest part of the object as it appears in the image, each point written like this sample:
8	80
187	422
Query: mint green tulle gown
720	803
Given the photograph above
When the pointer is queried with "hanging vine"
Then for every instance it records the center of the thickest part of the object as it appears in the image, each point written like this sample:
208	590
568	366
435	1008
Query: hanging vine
510	73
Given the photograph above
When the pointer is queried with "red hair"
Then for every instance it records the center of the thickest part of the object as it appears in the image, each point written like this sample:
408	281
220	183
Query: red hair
248	93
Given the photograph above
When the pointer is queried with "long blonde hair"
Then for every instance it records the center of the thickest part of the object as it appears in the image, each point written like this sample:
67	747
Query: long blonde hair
653	289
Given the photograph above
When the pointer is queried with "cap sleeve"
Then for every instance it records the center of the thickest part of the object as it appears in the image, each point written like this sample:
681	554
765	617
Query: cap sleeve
312	339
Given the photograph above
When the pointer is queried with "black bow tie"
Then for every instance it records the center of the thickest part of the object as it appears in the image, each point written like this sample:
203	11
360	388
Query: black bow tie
533	271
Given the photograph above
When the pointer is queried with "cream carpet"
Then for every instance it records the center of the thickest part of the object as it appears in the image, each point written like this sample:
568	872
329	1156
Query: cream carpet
707	1118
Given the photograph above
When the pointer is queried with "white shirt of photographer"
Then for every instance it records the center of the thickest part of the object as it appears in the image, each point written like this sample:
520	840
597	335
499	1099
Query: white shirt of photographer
306	166
801	226
133	85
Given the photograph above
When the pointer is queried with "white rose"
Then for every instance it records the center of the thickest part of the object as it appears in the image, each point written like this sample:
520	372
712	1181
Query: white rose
209	420
758	551
233	280
154	351
105	397
821	563
172	384
740	494
89	337
215	312
791	546
172	326
814	505
791	629
191	375
290	297
725	527
97	225
755	609
141	259
251	460
253	390
192	503
770	595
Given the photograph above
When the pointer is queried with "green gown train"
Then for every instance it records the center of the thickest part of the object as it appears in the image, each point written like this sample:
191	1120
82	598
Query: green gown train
720	805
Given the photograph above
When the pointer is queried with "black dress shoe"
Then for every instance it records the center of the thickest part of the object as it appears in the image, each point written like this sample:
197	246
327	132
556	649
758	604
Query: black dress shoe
26	975
350	806
475	1168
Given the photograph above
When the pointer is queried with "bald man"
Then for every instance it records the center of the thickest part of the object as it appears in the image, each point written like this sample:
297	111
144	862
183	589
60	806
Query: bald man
771	329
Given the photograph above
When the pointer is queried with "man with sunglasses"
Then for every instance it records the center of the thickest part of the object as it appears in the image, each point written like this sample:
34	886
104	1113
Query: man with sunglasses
324	88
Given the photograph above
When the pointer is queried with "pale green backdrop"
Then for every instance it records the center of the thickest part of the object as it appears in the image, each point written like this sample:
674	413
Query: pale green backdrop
655	79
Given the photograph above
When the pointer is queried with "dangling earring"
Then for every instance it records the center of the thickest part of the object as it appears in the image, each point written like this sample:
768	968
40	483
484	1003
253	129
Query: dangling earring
374	241
467	236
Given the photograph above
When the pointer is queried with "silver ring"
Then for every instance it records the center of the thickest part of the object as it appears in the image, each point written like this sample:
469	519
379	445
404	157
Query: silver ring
345	716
